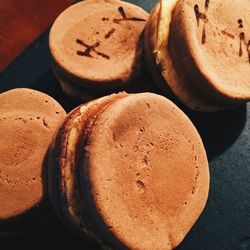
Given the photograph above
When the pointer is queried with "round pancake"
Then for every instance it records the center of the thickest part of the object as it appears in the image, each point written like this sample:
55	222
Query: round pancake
63	184
145	178
28	121
96	43
164	70
212	40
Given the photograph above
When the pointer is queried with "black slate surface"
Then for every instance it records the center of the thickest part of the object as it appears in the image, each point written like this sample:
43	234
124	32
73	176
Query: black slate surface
225	222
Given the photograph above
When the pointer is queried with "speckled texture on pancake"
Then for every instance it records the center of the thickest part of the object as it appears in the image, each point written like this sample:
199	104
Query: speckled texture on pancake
28	121
213	43
146	173
30	222
106	51
63	184
76	94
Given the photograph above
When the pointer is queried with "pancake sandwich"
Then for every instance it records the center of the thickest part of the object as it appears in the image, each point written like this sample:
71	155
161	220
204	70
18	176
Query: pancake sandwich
199	51
97	47
129	171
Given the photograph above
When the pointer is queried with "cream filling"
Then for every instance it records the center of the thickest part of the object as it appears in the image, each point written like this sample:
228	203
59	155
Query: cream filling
163	28
69	174
69	179
68	170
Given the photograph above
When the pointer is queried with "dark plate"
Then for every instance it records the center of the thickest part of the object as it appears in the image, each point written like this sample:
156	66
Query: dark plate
225	223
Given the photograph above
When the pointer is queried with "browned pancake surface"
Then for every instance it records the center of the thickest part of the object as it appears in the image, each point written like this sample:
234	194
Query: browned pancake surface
96	41
147	172
27	122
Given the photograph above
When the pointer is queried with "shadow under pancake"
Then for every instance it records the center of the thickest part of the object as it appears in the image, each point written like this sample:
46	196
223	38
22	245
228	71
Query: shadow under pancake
48	84
219	130
52	235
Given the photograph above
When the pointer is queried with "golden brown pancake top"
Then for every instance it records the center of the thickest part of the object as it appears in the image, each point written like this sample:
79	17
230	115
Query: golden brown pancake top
27	122
97	40
147	171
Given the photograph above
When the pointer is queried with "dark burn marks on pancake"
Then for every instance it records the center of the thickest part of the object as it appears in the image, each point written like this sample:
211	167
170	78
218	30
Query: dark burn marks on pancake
90	49
125	18
248	50
240	22
243	42
226	33
207	4
108	35
199	15
122	12
203	37
140	185
79	41
45	124
103	55
202	16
